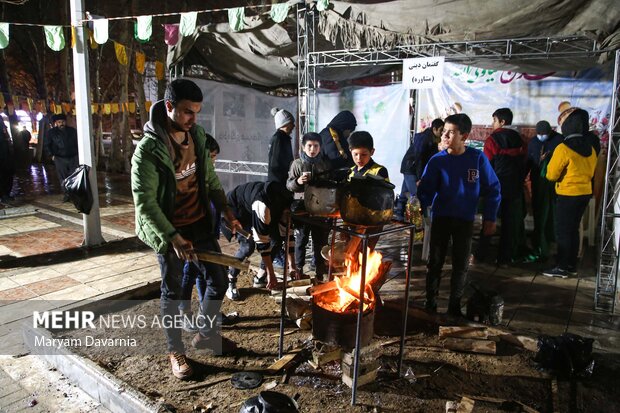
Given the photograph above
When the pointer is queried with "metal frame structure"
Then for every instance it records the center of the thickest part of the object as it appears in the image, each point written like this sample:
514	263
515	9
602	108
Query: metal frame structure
306	73
395	227
467	52
607	274
241	167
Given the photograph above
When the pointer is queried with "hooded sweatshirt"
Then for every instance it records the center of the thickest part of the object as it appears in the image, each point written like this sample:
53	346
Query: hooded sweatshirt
573	162
333	143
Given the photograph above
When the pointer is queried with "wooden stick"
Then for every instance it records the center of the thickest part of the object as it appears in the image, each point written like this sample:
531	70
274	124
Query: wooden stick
466	405
205	384
464	332
223	259
470	345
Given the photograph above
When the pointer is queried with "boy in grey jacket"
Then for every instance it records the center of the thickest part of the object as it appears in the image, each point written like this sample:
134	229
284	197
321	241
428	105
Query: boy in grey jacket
303	170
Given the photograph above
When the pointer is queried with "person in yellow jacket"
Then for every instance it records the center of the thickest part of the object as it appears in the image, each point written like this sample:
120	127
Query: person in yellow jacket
362	148
571	168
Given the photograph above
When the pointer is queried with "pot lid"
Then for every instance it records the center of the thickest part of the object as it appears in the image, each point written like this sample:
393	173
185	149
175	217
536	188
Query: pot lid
246	380
372	180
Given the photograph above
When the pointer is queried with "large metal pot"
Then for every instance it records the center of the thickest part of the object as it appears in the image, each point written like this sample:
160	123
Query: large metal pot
322	198
367	201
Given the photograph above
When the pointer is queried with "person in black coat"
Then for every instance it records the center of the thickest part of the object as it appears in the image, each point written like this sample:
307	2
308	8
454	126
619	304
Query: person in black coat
422	148
334	143
261	209
539	151
7	165
280	146
61	143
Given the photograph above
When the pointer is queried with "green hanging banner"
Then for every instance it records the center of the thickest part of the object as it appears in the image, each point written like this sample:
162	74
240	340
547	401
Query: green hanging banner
235	18
322	5
54	37
144	28
4	35
187	26
279	12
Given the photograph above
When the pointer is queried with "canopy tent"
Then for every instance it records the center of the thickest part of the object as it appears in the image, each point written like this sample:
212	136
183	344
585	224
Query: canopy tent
264	53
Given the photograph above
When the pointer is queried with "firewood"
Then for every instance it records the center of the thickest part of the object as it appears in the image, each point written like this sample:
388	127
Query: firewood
470	345
463	332
323	288
466	405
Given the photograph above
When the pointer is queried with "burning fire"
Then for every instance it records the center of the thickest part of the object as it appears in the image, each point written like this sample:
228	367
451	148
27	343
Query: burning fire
344	293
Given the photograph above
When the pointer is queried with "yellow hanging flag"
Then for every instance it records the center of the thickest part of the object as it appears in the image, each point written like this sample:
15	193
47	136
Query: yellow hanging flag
121	53
107	109
73	36
159	70
140	61
147	105
115	108
91	39
58	109
132	107
29	102
94	108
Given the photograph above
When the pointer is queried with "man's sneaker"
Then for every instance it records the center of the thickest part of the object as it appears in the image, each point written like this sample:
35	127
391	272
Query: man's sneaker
260	279
278	262
557	272
572	273
213	342
180	367
232	292
189	323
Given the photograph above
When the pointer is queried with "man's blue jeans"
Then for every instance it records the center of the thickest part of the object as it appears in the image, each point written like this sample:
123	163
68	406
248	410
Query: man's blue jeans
171	268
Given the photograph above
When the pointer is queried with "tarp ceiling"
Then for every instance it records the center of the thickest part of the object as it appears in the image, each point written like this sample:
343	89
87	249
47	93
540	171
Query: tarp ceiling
265	53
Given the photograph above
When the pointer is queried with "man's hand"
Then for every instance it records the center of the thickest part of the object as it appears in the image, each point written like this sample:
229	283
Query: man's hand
233	222
272	281
183	248
488	228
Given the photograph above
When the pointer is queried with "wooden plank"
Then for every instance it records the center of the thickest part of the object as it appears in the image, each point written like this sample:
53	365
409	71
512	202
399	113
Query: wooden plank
205	384
466	405
555	397
362	379
322	358
470	345
526	408
464	332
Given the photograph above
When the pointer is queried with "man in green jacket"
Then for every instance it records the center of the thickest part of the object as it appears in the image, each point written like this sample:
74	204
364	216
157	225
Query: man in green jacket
173	182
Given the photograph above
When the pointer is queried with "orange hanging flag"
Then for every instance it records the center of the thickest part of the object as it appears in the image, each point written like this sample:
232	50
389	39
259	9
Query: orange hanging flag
73	36
159	70
147	105
121	53
140	62
66	107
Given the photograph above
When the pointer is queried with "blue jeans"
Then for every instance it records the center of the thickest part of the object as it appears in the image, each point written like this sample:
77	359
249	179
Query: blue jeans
171	268
246	248
191	276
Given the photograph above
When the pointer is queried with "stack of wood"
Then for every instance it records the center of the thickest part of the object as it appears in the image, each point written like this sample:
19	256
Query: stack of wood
368	367
481	339
297	289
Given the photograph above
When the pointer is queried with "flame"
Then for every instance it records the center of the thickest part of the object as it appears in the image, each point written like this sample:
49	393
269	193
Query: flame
348	286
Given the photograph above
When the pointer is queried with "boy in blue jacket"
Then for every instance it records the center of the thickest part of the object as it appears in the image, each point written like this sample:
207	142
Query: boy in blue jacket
452	183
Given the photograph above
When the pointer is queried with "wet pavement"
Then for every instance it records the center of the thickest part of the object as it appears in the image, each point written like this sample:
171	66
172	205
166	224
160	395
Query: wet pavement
42	262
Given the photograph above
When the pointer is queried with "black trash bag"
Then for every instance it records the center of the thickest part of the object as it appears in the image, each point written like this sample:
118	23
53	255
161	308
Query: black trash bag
485	306
568	355
270	402
77	188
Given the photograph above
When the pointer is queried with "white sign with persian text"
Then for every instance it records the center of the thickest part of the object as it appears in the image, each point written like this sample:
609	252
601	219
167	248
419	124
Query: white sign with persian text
423	72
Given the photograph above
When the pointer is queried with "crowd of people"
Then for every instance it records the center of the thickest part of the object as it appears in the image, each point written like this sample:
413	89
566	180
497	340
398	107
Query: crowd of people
179	201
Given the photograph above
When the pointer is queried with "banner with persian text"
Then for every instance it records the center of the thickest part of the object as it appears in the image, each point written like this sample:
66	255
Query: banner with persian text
479	92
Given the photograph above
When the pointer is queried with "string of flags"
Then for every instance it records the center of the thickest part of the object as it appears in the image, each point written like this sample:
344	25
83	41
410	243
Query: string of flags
143	25
39	105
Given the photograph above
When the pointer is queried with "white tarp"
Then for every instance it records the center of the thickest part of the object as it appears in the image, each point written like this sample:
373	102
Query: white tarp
381	111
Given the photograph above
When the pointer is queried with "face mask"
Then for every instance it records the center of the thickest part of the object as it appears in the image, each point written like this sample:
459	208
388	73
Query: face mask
542	138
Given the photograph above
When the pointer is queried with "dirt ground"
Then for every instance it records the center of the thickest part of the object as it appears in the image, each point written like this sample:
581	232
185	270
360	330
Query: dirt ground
436	375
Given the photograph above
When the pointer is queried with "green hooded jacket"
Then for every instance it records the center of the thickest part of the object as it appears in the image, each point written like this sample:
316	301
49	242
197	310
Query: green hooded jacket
153	182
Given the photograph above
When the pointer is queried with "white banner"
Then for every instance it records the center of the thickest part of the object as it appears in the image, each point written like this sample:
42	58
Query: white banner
423	72
239	118
381	111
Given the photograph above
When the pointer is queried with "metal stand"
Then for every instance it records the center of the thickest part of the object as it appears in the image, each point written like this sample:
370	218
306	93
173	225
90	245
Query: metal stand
304	218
